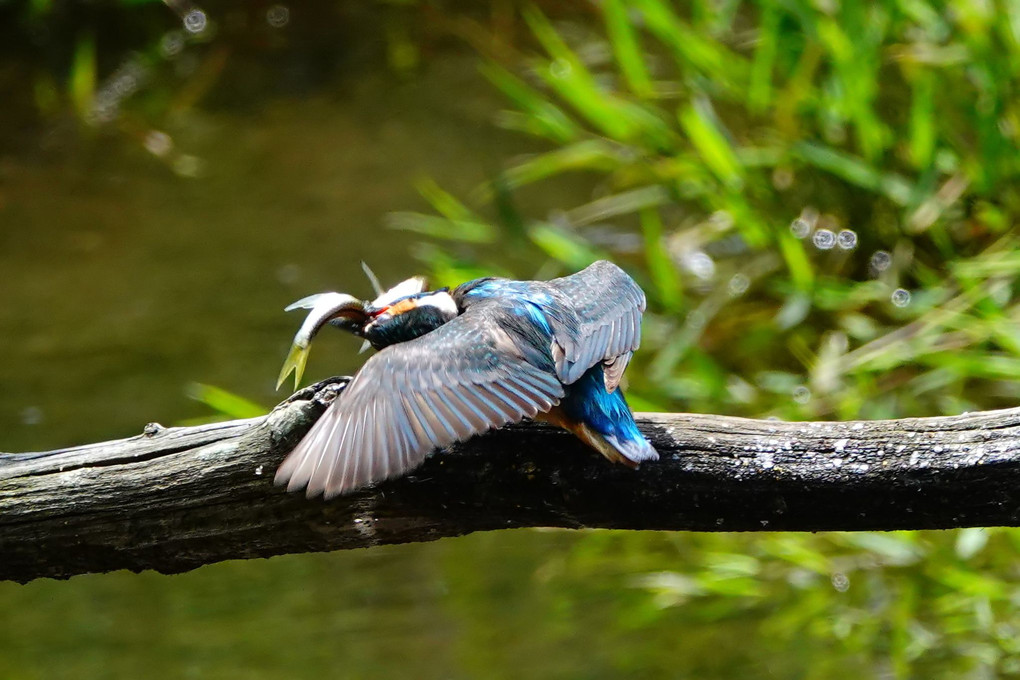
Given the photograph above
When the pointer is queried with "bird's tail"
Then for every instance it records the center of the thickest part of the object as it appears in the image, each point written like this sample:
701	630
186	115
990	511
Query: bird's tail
602	420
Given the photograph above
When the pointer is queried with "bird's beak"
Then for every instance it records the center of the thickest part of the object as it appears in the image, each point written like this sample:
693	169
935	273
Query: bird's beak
325	307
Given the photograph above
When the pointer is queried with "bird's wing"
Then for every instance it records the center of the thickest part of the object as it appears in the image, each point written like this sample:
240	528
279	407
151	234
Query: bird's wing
445	386
608	305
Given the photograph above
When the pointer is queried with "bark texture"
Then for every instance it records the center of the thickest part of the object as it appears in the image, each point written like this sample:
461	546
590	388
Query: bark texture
175	499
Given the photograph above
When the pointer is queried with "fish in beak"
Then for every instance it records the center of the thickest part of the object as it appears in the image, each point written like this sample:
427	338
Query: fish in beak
341	310
345	312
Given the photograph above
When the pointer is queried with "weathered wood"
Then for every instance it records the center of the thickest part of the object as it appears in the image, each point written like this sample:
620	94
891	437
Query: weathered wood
174	499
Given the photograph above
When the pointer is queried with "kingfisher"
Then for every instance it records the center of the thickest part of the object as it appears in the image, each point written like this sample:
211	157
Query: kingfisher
453	364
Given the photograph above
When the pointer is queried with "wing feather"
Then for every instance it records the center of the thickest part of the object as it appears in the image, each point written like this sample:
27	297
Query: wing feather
337	470
466	406
485	409
461	426
613	370
608	305
445	386
506	408
408	436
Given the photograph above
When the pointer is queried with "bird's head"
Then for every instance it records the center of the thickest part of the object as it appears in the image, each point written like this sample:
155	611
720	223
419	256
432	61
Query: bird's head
408	317
399	314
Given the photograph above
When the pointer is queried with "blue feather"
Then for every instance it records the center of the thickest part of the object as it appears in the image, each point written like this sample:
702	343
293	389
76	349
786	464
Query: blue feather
533	317
587	401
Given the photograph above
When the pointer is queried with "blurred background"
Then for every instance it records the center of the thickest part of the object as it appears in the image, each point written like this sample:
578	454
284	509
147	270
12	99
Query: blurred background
819	197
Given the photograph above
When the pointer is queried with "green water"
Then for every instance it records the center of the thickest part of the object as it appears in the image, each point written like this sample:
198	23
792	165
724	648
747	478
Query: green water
124	282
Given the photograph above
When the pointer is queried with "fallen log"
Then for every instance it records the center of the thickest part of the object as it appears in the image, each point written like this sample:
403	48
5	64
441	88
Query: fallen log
172	499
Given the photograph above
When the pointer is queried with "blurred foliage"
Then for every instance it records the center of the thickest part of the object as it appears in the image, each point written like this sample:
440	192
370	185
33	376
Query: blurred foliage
820	201
838	605
544	604
818	198
225	404
137	70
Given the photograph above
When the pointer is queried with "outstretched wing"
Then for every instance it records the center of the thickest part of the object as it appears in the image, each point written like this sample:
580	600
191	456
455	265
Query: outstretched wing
445	386
608	305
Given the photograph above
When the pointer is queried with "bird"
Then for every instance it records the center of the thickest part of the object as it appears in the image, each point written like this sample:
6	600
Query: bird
455	363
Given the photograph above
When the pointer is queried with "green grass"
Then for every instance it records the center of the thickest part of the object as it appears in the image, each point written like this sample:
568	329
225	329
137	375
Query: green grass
822	202
708	132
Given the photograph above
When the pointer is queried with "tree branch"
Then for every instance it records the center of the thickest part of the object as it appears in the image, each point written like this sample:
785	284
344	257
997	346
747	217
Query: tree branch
174	499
